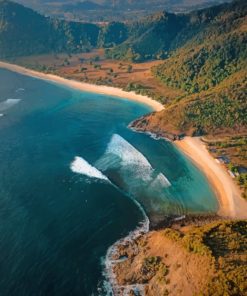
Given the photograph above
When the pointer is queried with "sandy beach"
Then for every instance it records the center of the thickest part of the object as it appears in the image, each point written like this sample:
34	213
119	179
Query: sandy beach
231	204
101	89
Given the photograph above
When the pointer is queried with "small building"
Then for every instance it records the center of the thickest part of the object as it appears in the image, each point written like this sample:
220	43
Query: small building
223	159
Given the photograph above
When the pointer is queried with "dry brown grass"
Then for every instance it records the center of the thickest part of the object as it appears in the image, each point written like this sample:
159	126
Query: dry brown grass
205	260
102	71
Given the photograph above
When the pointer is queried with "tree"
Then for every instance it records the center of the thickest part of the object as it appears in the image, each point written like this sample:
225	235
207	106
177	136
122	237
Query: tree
83	69
129	68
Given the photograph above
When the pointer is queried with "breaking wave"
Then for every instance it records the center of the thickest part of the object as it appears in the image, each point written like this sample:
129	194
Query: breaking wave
111	286
8	104
161	180
130	164
20	90
81	166
129	169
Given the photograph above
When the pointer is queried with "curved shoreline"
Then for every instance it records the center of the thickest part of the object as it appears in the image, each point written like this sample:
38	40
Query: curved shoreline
100	89
228	195
231	204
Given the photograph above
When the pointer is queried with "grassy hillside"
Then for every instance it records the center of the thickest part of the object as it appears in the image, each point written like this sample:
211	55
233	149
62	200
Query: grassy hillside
211	256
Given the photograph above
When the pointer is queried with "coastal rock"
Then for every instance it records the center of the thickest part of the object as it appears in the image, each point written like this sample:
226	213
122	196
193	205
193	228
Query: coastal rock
186	260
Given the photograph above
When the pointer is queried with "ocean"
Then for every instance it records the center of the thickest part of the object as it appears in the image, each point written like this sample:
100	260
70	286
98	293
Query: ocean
74	179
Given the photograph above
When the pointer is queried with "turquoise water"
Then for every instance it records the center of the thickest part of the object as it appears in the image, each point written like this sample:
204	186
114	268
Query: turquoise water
69	167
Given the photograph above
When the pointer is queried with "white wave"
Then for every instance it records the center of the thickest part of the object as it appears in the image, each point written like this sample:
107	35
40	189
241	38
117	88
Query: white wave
1	114
122	155
111	286
81	166
8	104
128	154
136	176
179	218
20	89
161	180
130	163
153	135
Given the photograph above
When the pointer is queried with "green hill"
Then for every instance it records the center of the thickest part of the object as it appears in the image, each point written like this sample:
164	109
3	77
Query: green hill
25	32
144	7
157	36
204	53
149	38
210	67
214	53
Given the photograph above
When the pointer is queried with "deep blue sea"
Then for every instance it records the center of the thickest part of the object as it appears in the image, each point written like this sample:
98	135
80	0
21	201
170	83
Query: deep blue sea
69	169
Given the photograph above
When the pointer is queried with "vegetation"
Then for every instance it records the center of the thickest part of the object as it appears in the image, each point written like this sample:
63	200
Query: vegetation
225	243
25	32
152	266
109	10
208	260
157	36
215	112
205	57
214	53
112	34
210	67
235	149
148	38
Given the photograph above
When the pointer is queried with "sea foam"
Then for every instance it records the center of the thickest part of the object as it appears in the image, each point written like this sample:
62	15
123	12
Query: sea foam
20	90
111	286
135	171
81	166
161	180
130	163
8	104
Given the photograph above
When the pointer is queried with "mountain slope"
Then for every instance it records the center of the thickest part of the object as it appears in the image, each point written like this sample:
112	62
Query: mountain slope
148	5
211	70
24	32
149	38
204	52
157	36
218	50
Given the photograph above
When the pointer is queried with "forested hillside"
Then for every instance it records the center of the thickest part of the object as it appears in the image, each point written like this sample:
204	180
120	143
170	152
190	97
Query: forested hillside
122	8
218	50
211	70
149	38
24	32
157	36
204	56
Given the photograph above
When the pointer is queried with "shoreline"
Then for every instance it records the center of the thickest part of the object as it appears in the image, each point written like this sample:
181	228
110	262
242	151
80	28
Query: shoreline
231	204
99	89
